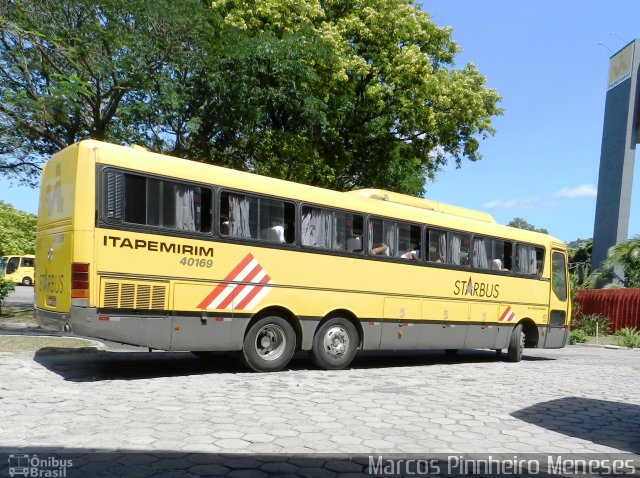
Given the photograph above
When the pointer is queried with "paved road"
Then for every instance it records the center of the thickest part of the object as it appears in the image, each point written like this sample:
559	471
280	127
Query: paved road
575	400
21	297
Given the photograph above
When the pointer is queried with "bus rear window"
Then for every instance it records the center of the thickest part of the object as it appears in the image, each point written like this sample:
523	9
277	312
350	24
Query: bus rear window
140	200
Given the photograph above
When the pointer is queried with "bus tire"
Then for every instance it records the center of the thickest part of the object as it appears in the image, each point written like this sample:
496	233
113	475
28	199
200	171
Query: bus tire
451	352
516	344
269	344
335	344
27	281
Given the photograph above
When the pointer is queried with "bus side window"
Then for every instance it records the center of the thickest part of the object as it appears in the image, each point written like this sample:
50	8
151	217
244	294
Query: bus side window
140	200
328	229
12	265
437	246
382	238
459	249
409	241
539	260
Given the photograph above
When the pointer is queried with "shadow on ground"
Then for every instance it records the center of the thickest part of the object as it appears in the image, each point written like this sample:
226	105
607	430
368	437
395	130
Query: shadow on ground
98	365
612	424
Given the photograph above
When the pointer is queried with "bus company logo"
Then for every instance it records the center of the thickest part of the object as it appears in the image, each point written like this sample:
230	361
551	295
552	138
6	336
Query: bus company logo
27	465
242	289
507	315
55	200
476	289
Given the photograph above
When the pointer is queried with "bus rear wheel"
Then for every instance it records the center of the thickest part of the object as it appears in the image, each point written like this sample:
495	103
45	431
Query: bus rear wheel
516	344
335	344
269	344
27	281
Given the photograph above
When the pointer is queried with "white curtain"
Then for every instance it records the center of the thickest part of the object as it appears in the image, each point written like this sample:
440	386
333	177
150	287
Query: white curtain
455	249
185	209
316	228
480	259
526	257
239	224
442	250
390	237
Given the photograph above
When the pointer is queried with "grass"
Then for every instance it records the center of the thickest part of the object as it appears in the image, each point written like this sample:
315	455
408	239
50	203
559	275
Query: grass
29	343
606	340
15	342
17	314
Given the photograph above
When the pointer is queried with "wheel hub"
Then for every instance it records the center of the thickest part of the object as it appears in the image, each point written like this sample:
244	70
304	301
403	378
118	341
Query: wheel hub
336	341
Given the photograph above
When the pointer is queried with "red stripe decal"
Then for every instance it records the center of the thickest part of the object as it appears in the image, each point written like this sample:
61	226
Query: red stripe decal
505	313
222	286
236	291
256	288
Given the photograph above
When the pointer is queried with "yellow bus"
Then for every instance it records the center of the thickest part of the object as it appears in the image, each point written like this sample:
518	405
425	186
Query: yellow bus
145	249
18	269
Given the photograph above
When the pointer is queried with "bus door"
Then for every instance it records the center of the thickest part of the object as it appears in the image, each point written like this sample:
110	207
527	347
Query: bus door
559	307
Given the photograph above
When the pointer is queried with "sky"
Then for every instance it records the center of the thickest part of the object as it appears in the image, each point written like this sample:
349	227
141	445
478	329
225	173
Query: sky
549	61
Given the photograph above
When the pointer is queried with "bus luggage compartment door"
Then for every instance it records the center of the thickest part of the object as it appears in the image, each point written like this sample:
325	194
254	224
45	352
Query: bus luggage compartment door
482	332
401	328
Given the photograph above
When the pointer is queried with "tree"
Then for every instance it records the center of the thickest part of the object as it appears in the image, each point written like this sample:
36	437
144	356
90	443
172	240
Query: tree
17	231
336	94
344	94
75	69
520	223
622	266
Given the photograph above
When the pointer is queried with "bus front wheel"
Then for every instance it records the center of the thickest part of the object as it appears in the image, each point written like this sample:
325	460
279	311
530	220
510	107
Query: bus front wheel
335	344
516	344
269	344
27	281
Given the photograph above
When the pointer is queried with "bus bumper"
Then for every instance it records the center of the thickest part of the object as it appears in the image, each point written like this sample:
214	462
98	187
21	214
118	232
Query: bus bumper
52	320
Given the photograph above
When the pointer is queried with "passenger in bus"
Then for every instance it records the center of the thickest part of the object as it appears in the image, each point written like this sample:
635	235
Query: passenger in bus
276	234
380	249
224	225
413	254
496	265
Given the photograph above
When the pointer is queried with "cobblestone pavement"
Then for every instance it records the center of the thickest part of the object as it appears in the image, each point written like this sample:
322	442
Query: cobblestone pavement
576	400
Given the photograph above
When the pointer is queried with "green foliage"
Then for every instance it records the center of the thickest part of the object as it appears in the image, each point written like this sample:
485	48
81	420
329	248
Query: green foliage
578	337
71	69
377	103
17	231
631	341
520	223
630	337
591	322
5	289
622	259
337	94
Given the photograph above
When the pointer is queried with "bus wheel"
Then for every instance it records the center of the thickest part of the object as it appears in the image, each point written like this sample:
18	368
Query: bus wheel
451	352
516	344
335	344
27	281
269	344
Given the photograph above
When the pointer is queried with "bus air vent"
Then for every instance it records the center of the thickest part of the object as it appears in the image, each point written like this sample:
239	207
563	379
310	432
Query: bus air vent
158	298
119	294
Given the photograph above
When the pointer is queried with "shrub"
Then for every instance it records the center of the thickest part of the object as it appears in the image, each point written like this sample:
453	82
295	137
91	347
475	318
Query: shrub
590	322
630	337
578	337
6	288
